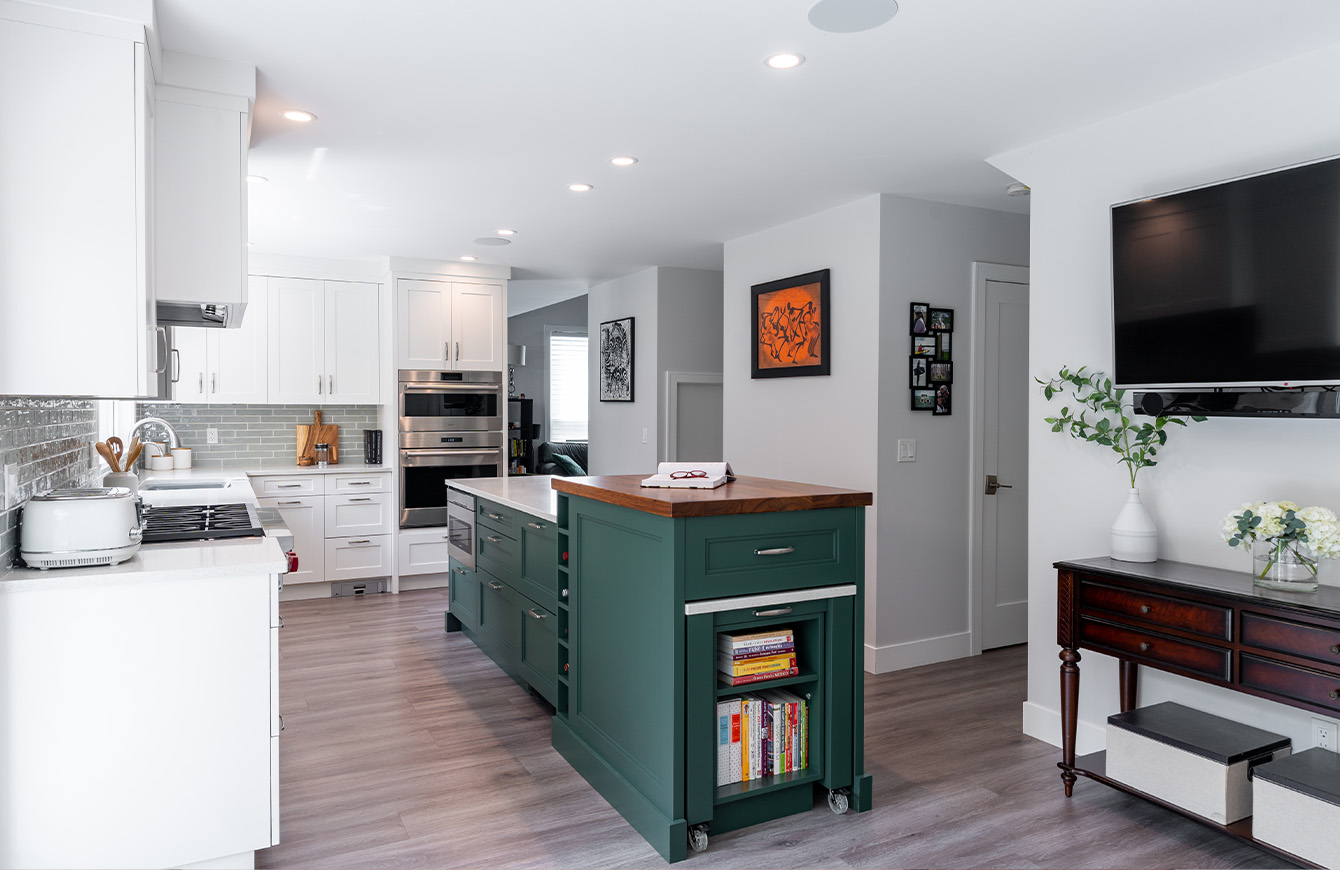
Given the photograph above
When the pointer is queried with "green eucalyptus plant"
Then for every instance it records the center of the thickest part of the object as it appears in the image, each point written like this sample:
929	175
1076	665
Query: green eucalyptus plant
1103	417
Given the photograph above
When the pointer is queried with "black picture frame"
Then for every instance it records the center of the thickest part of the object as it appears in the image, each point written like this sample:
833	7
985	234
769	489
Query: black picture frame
918	372
918	310
616	360
944	401
940	372
941	320
924	345
791	327
923	400
943	346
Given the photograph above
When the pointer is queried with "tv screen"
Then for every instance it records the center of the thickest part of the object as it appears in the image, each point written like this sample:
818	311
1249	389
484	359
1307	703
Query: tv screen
1235	284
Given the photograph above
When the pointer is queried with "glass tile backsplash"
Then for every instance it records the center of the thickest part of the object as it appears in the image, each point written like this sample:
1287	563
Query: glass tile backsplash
266	433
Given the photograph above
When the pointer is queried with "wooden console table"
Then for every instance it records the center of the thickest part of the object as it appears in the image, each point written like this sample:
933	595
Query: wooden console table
1207	624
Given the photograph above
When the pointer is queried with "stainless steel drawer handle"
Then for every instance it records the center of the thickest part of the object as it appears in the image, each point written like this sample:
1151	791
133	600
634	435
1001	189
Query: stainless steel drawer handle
281	721
281	622
288	486
1144	608
365	498
492	516
289	503
460	571
775	551
492	539
496	587
536	526
1144	646
359	483
361	541
536	615
776	611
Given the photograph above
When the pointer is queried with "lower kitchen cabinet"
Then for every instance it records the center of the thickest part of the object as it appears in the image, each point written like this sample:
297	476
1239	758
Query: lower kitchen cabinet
424	551
342	522
499	621
463	593
537	652
358	558
305	517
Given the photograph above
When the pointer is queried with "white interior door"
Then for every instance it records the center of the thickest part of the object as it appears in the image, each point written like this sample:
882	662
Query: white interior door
694	417
1002	382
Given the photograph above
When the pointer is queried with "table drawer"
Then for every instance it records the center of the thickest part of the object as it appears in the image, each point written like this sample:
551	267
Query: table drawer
1204	619
1135	644
1302	684
759	553
1295	638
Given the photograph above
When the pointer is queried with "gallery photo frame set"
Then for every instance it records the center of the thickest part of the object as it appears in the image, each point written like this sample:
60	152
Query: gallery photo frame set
931	363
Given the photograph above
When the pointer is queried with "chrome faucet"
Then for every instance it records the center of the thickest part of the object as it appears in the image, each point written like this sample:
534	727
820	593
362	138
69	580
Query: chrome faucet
173	440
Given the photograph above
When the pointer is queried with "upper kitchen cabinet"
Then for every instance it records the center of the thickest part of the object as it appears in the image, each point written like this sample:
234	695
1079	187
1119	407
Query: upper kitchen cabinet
449	325
202	131
323	342
225	366
76	290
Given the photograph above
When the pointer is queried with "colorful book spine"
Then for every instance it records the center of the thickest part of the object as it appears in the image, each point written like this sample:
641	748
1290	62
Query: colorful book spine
746	679
753	652
744	740
762	638
728	741
756	666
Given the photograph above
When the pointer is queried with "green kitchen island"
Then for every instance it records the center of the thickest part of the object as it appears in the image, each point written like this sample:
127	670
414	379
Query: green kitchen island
648	578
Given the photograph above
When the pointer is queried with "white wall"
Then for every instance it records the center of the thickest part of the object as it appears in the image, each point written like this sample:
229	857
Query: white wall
689	331
926	252
616	427
1268	118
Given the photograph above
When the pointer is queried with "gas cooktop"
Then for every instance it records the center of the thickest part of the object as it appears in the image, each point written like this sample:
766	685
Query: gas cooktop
200	523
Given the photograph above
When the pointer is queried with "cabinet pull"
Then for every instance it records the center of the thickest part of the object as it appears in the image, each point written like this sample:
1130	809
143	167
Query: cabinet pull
174	366
776	611
213	383
492	516
281	622
775	551
163	358
534	614
364	498
446	351
564	593
1144	646
359	483
496	587
492	540
1333	694
330	385
536	526
361	541
318	385
460	571
458	351
1335	649
1144	608
281	721
201	384
288	503
287	485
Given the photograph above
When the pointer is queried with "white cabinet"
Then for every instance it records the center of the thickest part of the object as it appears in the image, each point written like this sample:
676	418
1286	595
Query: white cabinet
447	325
77	306
200	214
358	558
323	342
364	514
341	522
422	551
224	366
305	517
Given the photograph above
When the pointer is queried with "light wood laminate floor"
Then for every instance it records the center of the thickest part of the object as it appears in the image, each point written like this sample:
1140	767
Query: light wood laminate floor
406	747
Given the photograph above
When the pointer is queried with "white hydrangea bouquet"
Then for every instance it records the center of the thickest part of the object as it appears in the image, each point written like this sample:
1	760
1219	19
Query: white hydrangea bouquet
1286	533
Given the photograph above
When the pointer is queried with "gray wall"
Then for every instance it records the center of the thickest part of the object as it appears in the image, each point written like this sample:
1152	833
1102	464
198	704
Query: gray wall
689	325
527	329
49	440
616	427
265	433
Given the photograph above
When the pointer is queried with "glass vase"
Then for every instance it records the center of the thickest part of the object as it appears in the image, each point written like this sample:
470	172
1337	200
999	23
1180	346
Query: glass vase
1287	565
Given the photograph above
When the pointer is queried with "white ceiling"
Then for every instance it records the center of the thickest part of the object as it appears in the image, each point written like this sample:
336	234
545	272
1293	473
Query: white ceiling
445	120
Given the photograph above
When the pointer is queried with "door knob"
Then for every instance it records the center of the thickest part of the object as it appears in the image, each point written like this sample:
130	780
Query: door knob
992	485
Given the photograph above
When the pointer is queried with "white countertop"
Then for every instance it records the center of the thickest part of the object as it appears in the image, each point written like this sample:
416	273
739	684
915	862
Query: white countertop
261	469
534	495
185	560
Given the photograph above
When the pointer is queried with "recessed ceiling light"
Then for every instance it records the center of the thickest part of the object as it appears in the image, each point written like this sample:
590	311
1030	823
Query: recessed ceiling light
623	161
506	232
851	16
299	115
579	187
257	179
784	60
469	257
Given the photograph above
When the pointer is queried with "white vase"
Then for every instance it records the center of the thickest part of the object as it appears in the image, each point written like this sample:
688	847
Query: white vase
1134	536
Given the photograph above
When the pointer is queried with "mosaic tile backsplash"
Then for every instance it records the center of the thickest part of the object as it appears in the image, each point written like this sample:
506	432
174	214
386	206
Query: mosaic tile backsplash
261	432
49	440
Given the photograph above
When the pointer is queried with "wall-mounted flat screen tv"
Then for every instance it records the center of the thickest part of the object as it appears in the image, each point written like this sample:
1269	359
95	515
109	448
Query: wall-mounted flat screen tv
1231	285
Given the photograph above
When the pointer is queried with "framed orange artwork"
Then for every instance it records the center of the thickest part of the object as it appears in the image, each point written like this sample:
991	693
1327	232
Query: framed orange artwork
791	327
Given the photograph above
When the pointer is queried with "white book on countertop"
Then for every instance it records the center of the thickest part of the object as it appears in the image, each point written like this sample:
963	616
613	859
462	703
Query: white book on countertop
691	475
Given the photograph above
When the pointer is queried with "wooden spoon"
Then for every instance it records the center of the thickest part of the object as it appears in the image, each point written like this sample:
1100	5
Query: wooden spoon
106	453
136	447
118	450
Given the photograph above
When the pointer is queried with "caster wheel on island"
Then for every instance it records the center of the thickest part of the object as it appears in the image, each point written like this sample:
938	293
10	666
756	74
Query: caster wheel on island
837	801
698	838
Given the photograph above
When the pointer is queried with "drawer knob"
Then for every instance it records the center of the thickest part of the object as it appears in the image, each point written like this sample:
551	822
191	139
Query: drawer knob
1144	608
1334	693
1335	649
1144	646
564	593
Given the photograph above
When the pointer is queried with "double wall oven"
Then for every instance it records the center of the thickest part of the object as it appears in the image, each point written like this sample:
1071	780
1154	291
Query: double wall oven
451	428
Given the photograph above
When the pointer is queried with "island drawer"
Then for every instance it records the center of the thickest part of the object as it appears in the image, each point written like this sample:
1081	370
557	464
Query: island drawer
497	552
1204	619
500	518
1134	644
757	553
537	566
1294	638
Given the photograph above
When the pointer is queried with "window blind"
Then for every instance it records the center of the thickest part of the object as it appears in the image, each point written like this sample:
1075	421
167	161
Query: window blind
567	386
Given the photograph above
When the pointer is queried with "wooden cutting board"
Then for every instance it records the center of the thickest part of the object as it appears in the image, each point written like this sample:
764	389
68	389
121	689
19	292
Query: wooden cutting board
309	435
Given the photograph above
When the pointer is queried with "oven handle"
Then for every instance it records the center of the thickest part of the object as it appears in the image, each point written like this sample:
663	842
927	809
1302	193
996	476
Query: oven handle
447	388
422	457
422	451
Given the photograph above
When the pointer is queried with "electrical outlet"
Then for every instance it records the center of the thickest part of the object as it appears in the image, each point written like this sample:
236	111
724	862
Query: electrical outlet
11	486
1323	733
211	435
907	450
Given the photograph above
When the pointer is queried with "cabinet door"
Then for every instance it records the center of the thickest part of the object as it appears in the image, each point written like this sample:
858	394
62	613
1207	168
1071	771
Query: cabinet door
358	558
368	514
305	518
189	361
499	620
537	656
238	372
423	551
476	327
463	590
352	374
423	324
297	340
537	575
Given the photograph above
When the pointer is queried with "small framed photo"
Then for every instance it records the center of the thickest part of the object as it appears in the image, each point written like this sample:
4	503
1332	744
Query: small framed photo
920	319
918	372
943	404
942	349
941	319
923	400
923	345
940	372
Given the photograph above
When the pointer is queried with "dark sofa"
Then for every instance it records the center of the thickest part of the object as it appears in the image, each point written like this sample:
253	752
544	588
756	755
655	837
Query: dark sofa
574	450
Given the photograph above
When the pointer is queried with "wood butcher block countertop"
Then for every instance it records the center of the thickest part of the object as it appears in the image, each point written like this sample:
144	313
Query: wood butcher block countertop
744	495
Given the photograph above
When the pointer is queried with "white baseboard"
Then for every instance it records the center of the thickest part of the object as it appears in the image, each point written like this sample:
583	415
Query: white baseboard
301	591
423	581
900	656
1044	723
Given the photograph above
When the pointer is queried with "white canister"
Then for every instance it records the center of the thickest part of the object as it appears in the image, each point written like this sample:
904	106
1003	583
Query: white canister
160	463
181	457
128	479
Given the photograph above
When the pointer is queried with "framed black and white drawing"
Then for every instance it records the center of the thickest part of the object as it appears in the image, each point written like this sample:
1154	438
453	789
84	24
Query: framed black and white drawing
616	360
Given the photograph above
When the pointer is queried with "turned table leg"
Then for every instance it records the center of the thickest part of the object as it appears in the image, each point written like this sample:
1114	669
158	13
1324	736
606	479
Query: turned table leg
1130	674
1069	715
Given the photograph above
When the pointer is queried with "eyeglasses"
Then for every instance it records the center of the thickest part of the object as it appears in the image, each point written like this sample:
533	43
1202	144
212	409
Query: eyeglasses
685	475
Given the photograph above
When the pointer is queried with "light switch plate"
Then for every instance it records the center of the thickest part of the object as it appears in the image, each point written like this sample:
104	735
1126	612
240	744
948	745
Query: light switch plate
907	450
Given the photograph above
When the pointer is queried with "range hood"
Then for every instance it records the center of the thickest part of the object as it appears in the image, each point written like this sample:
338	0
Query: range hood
200	314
